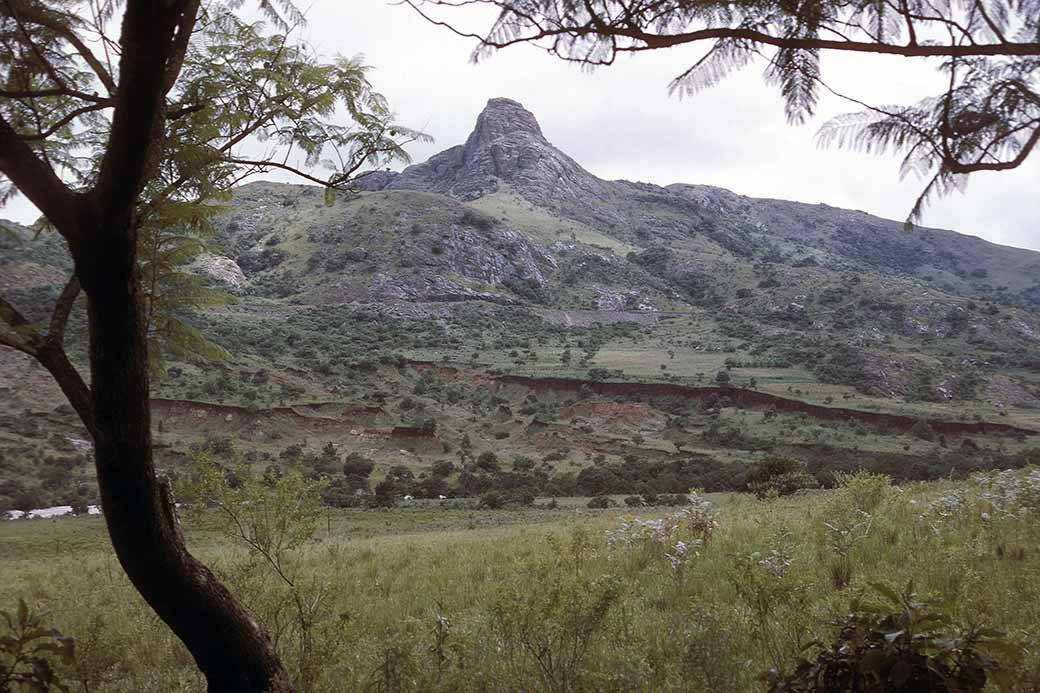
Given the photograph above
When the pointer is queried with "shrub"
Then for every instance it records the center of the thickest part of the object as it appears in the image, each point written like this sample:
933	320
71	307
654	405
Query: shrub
442	468
778	476
846	365
922	386
488	461
546	635
357	464
28	651
601	502
862	490
899	646
495	500
269	516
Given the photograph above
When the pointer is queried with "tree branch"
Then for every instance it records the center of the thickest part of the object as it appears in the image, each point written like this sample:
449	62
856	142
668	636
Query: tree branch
9	339
62	308
37	181
33	14
48	350
597	27
148	42
909	50
263	165
57	91
68	118
22	337
180	44
955	166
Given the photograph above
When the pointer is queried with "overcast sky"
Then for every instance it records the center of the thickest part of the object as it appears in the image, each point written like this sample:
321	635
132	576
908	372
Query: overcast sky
620	122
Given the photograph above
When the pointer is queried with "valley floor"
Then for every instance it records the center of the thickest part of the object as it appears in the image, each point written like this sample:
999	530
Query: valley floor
440	597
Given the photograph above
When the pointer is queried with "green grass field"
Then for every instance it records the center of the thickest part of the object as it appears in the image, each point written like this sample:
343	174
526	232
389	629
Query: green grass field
427	597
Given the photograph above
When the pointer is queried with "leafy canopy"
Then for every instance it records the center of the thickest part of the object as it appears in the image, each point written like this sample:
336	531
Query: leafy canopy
247	99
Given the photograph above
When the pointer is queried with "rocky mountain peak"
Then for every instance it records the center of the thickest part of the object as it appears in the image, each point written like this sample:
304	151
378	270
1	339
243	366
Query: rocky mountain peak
502	118
506	147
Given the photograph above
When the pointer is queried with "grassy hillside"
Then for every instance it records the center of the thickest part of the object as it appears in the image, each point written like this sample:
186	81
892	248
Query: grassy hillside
336	302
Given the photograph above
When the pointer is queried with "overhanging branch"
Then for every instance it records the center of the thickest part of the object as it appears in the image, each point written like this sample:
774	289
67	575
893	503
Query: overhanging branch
37	181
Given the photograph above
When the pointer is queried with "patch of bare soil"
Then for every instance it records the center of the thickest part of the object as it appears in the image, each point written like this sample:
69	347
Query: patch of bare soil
633	415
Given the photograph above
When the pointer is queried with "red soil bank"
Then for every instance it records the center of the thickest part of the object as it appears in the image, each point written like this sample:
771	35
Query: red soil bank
751	399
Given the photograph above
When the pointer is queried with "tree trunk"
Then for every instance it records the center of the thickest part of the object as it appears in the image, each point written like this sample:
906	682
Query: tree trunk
228	645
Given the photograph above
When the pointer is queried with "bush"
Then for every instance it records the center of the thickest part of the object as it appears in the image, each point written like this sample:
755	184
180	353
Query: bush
846	365
601	502
29	651
899	646
778	476
442	468
356	464
495	500
549	634
488	461
862	490
675	539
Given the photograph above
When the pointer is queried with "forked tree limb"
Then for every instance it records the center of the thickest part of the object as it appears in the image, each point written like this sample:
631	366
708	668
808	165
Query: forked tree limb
38	181
49	350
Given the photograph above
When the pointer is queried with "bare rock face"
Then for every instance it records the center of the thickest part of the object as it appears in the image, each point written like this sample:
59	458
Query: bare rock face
221	269
465	263
372	181
506	146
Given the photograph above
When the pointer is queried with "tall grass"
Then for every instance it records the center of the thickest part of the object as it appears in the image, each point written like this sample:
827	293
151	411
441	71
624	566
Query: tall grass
454	602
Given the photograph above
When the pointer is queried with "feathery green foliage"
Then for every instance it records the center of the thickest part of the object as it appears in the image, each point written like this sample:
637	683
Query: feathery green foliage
246	98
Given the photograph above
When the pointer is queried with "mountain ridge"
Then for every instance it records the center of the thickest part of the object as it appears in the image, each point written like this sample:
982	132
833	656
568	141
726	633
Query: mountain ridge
507	146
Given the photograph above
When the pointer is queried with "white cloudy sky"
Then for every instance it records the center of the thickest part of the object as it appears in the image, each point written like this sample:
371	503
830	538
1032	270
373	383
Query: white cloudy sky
620	122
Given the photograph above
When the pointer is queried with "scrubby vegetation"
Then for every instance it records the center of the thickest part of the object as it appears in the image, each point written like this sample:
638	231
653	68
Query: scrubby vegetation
937	588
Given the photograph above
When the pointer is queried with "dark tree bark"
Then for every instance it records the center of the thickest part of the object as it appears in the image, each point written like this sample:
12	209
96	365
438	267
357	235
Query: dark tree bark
99	225
227	644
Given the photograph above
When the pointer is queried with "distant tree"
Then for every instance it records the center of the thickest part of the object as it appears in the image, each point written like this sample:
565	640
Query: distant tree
400	475
987	119
922	386
292	454
385	493
328	460
488	462
778	476
125	144
722	378
442	468
356	464
432	487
